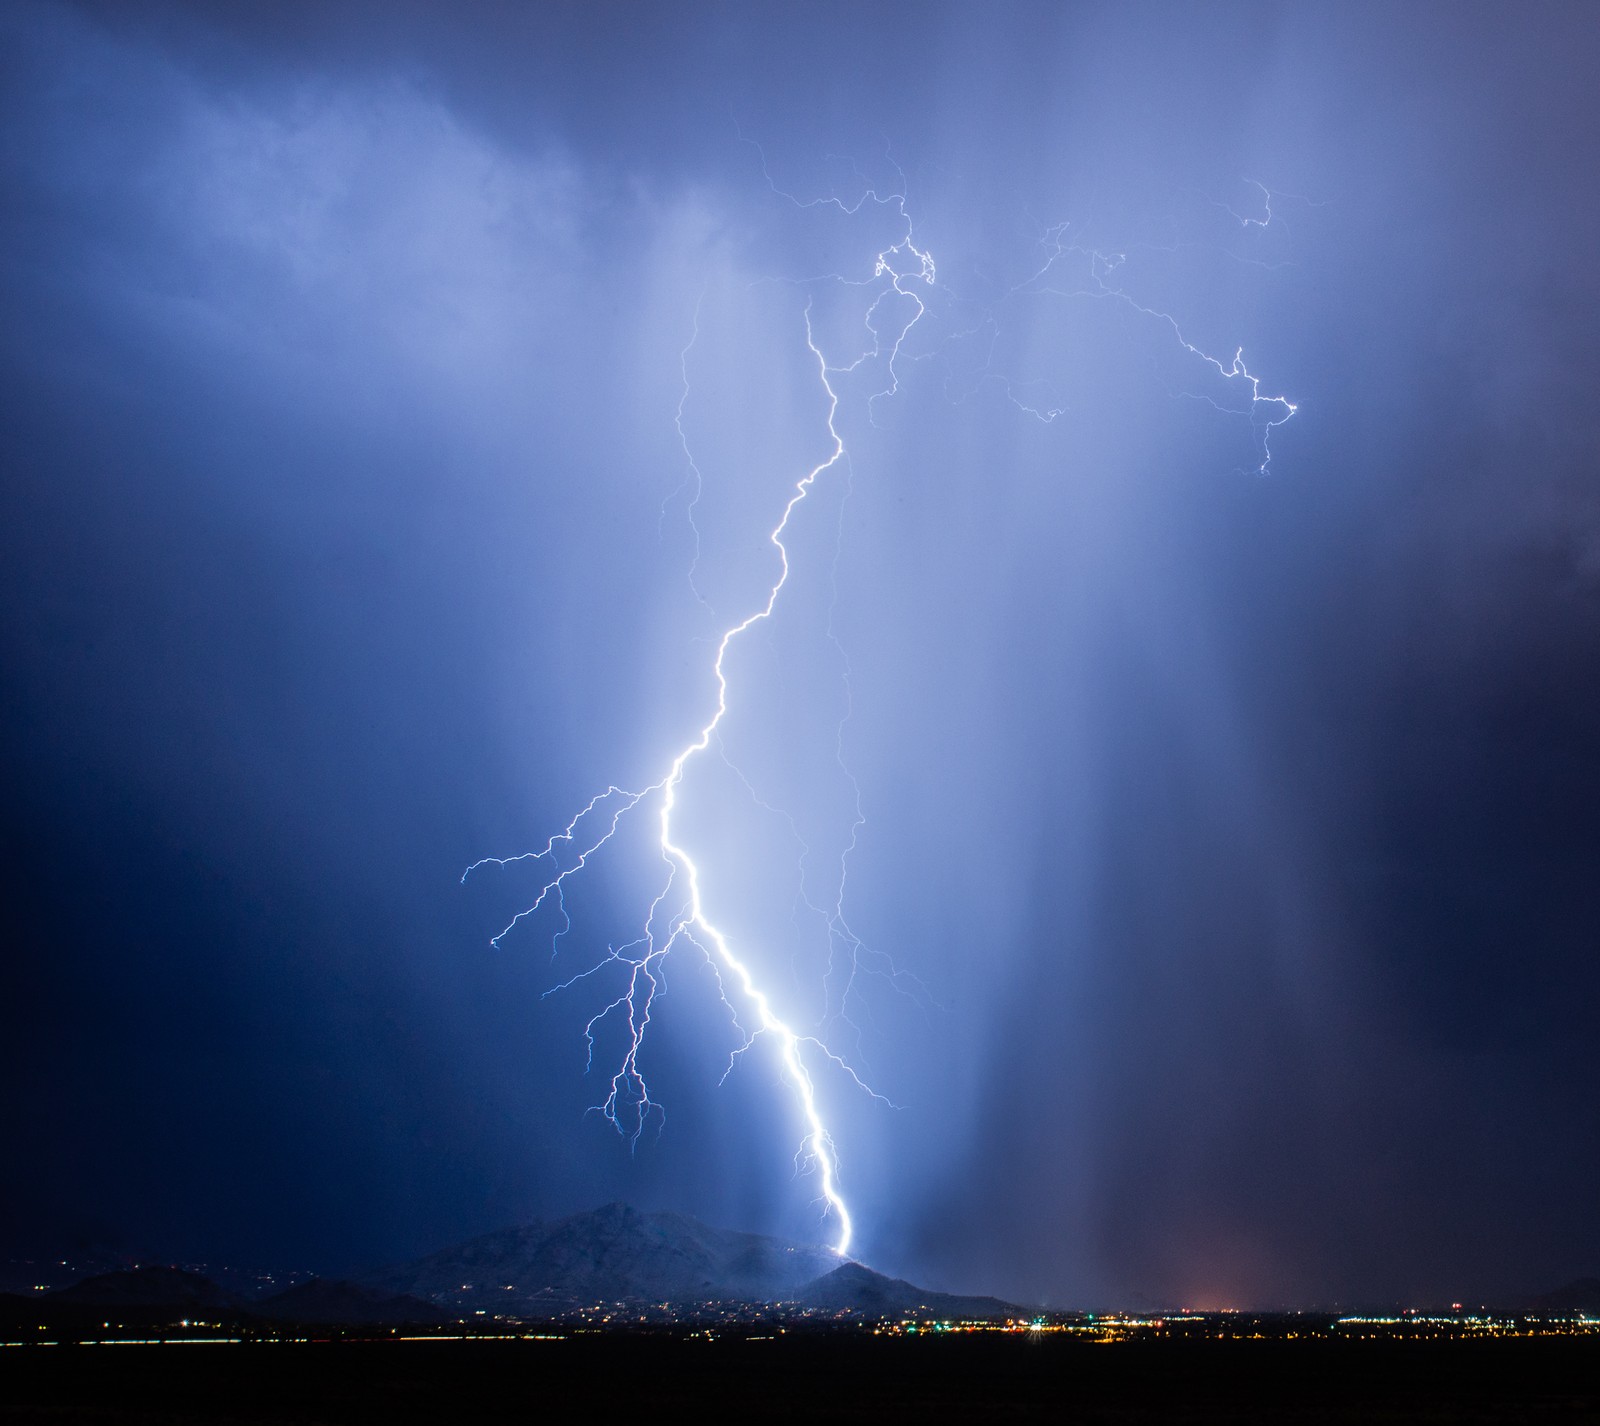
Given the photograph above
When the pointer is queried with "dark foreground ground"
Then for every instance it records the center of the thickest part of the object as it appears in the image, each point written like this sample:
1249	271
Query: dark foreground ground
805	1378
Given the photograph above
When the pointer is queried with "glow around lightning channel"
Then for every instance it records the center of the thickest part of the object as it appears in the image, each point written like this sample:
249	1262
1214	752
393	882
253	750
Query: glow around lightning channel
818	1145
627	1103
678	915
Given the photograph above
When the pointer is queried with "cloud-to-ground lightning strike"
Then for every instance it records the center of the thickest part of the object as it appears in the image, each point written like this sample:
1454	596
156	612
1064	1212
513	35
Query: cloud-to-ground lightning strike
627	1102
678	913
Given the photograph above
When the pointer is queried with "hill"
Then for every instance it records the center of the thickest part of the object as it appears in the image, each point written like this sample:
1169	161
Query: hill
1580	1297
331	1300
666	1264
612	1254
147	1287
857	1291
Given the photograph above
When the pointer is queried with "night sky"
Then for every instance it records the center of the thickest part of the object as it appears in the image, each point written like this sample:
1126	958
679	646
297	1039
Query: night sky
1235	832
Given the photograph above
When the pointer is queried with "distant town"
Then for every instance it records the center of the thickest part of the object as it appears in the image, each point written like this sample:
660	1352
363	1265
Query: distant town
713	1321
618	1270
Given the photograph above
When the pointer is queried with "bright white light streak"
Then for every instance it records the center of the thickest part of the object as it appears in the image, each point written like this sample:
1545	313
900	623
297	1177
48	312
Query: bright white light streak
627	1103
678	913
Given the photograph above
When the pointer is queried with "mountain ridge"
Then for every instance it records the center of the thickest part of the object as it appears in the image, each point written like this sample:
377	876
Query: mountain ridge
615	1253
662	1262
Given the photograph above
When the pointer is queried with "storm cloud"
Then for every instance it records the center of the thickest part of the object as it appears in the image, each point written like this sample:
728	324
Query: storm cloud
1239	826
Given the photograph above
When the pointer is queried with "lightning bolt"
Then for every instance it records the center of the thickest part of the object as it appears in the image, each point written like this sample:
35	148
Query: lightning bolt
678	914
1102	284
1098	281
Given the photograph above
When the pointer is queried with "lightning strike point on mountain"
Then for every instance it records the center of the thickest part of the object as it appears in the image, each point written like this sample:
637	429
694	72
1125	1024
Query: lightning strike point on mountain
895	288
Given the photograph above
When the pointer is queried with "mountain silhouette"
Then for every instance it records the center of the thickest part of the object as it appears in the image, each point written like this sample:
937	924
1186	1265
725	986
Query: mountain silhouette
148	1287
857	1291
330	1300
612	1254
669	1263
1579	1296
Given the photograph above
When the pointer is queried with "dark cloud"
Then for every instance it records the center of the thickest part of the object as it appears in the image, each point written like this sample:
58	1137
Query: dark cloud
1240	826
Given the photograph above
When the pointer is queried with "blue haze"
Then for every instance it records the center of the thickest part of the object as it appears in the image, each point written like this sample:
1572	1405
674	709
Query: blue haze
1241	827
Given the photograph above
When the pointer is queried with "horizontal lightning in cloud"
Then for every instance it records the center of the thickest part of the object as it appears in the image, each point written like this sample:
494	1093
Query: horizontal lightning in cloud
1266	413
